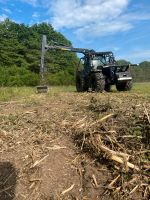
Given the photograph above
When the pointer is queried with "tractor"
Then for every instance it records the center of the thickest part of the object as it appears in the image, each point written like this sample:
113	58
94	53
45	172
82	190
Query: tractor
96	71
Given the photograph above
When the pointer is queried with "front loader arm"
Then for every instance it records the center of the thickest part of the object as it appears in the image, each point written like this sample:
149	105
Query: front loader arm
59	47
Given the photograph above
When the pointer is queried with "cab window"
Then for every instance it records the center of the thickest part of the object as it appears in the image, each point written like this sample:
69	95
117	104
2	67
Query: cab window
81	64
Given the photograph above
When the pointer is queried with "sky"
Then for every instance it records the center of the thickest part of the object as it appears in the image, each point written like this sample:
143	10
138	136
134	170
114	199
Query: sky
121	26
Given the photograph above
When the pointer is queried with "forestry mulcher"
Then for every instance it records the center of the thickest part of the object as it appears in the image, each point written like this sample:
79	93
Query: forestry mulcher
96	71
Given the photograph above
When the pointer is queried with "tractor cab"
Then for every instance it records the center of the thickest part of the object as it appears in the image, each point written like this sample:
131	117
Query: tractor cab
102	60
96	61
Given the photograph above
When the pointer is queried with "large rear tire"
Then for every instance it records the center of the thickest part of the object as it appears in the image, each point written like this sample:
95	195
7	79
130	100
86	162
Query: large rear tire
81	84
124	86
98	82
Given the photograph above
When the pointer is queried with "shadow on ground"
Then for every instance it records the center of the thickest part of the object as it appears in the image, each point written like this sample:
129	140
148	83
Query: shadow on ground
8	178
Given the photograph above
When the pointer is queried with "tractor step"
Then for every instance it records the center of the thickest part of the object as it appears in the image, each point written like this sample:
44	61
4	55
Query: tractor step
42	89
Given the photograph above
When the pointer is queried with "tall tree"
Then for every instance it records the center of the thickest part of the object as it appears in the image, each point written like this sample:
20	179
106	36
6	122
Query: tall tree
20	47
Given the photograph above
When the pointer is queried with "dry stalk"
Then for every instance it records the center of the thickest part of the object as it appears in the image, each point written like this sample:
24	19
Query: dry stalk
5	189
56	147
39	161
8	178
102	119
117	190
121	161
113	182
68	189
117	156
95	181
134	189
83	141
146	167
146	112
133	180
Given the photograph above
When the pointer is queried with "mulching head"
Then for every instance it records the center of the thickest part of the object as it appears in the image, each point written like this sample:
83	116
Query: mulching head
42	89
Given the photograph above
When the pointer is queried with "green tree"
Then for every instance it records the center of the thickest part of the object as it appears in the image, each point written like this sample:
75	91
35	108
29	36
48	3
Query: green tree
20	47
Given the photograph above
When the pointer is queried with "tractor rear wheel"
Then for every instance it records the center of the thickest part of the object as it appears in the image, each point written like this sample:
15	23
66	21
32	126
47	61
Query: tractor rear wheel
81	84
124	86
98	82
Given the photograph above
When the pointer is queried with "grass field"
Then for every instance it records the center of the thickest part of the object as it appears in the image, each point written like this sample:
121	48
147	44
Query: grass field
65	145
142	88
18	93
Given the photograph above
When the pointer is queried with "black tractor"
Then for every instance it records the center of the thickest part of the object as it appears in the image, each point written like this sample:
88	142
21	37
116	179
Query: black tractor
96	71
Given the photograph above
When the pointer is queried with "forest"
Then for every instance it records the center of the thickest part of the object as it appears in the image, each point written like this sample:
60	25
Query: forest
20	47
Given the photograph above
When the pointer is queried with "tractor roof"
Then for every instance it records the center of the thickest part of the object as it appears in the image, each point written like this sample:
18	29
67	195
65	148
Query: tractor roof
105	53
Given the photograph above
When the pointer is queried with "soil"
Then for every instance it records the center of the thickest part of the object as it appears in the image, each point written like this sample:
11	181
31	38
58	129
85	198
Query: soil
40	157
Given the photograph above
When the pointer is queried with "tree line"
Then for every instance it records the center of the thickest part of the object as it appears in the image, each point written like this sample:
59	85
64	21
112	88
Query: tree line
20	48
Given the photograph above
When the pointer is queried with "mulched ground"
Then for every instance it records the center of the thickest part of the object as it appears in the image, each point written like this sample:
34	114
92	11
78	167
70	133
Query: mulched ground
64	146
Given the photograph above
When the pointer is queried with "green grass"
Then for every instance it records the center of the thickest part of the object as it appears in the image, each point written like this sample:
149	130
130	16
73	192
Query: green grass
15	93
69	88
138	88
142	88
28	93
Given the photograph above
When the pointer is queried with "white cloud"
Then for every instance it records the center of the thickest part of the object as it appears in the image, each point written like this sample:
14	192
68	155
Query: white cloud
89	18
35	15
135	16
136	56
143	54
102	29
116	49
77	13
7	10
3	17
93	18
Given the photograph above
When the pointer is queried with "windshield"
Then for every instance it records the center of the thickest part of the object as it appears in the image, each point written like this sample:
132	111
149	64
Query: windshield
102	60
98	61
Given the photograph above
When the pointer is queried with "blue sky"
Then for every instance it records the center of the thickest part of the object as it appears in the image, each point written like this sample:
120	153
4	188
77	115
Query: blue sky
122	26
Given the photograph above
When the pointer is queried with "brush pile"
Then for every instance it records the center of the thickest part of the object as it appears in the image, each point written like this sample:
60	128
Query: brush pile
117	134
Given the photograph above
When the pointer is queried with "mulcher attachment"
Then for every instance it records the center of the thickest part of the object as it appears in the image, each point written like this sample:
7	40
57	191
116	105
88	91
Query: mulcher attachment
42	89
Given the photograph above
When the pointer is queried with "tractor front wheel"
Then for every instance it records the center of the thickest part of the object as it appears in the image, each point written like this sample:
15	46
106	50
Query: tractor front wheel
124	86
107	87
98	82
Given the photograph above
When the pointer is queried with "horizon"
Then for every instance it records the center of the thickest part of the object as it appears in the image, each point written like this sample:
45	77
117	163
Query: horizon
124	30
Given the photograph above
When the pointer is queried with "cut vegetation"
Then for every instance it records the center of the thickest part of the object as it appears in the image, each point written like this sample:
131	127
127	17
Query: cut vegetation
65	145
